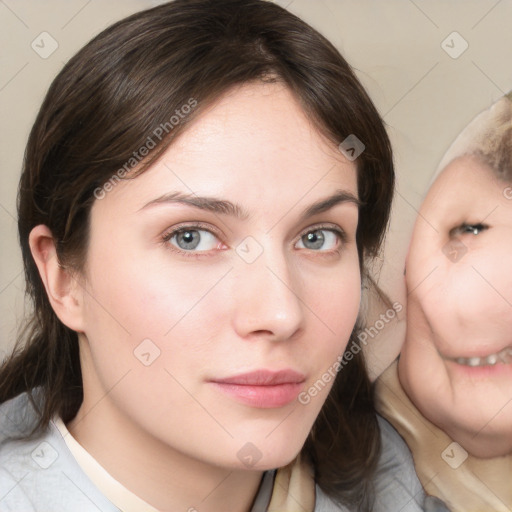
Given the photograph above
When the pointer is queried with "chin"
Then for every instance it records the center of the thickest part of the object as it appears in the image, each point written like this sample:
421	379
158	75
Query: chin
250	458
486	443
485	447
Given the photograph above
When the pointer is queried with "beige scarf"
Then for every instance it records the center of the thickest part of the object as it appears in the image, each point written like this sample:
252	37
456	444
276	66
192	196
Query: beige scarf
294	489
476	485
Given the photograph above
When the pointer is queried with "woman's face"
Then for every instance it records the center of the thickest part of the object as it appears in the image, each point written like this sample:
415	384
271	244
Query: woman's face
223	282
456	362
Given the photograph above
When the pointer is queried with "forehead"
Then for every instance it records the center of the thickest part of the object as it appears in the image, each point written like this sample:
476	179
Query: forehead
256	142
256	127
467	185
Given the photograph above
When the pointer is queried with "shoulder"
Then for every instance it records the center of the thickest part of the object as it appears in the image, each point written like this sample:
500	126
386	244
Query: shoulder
395	454
17	416
39	473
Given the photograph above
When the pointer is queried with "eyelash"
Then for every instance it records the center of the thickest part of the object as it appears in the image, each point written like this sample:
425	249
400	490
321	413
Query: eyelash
206	227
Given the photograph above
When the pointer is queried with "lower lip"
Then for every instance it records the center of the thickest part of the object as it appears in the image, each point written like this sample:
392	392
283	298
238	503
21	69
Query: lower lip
263	397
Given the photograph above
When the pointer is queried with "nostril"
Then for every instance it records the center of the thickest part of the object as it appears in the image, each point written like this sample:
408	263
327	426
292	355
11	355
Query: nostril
263	332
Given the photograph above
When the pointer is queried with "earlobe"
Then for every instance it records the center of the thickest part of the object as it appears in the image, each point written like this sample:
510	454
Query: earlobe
63	290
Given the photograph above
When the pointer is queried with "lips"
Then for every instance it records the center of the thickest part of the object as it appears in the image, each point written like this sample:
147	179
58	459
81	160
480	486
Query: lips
262	388
264	378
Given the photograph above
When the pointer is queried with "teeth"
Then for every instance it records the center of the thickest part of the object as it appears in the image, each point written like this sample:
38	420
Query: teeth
504	356
492	359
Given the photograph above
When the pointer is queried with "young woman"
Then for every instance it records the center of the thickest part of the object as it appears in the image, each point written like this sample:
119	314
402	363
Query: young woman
194	241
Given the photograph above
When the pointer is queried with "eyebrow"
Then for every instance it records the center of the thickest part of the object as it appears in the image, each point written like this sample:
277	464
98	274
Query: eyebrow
221	206
210	204
340	197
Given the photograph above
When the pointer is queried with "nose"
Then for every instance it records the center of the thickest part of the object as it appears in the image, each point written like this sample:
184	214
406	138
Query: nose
267	299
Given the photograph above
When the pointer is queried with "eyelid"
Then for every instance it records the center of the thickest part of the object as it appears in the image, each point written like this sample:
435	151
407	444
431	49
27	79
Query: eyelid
321	225
184	226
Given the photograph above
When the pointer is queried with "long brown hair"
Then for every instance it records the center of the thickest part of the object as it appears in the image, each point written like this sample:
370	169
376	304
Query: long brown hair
118	91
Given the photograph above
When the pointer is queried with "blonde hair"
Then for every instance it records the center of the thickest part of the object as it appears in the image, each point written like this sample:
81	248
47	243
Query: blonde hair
489	138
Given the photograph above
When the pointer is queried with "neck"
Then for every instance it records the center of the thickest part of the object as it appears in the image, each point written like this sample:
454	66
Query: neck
157	473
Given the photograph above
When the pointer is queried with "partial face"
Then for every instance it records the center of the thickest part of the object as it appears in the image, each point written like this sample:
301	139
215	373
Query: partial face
223	282
456	362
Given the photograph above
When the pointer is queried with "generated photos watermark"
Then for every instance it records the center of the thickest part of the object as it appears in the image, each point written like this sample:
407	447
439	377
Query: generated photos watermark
330	374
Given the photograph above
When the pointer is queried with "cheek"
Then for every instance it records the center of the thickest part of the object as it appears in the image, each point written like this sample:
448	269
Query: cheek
337	307
143	293
142	311
335	295
492	265
472	292
452	297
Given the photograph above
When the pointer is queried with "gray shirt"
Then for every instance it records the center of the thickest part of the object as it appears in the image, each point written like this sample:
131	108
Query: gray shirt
41	475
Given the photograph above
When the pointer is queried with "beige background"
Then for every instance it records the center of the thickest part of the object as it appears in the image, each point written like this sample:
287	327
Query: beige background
425	95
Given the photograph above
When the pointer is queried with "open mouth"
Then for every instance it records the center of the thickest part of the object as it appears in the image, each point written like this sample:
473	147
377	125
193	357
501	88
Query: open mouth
503	356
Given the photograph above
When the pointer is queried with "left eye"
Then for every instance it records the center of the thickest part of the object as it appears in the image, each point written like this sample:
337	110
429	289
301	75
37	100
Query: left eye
473	229
319	239
194	240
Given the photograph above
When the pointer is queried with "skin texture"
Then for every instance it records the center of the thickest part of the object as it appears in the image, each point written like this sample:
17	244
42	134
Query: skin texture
164	430
460	299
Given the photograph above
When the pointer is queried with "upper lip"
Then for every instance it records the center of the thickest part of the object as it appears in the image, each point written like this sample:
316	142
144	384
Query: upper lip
264	378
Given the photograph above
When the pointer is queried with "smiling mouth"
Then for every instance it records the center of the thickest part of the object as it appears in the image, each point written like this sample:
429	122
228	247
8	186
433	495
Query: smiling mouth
503	356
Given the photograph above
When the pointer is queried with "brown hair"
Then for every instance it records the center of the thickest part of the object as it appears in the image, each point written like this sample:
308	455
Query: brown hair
103	106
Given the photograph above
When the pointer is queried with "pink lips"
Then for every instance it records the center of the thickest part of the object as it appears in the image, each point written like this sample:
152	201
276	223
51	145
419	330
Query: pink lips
263	388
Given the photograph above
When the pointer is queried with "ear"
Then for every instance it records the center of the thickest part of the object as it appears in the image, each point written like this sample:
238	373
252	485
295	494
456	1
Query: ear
64	292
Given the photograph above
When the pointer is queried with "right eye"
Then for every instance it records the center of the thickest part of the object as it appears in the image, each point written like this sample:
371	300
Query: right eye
192	239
